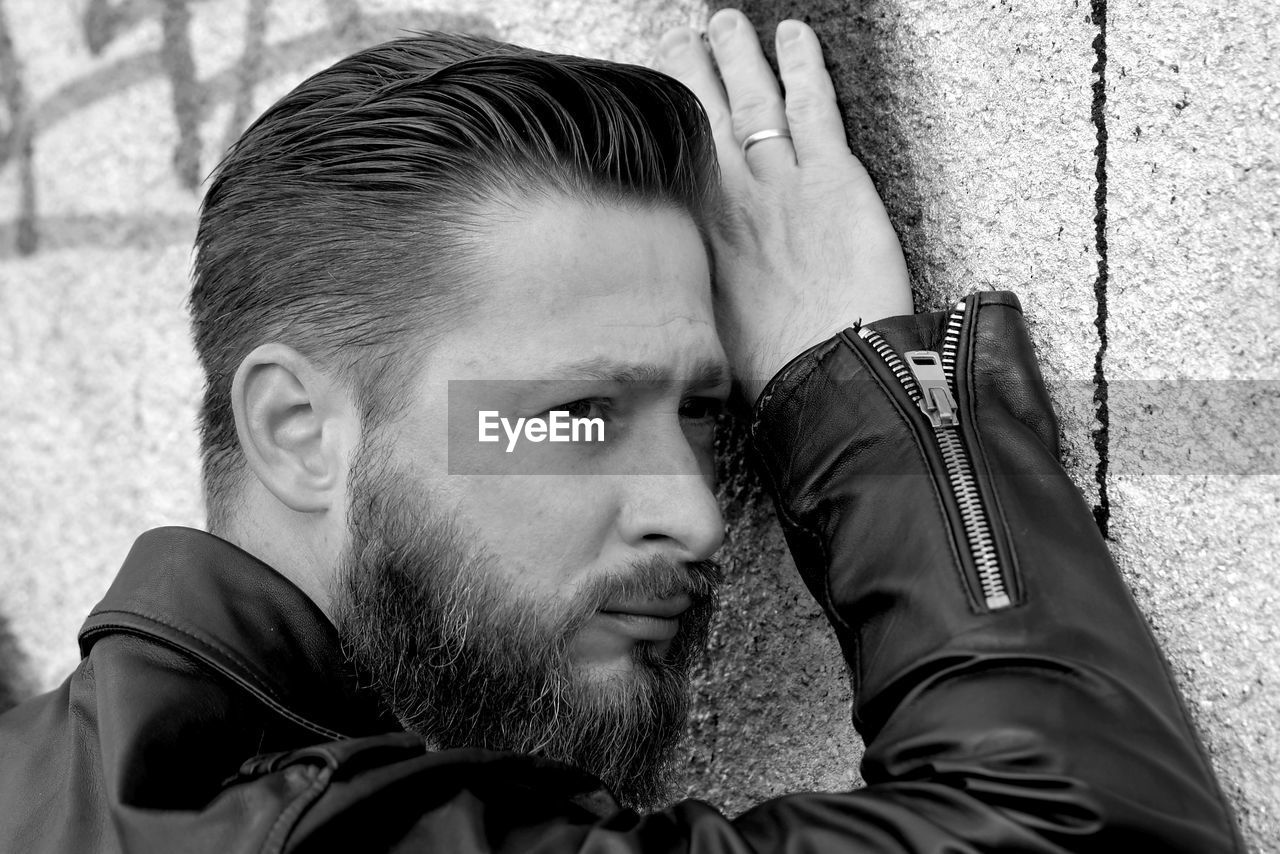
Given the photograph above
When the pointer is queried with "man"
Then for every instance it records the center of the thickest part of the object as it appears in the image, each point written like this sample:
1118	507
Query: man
403	637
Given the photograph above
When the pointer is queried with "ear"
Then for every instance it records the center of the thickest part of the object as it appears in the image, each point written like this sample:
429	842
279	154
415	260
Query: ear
296	425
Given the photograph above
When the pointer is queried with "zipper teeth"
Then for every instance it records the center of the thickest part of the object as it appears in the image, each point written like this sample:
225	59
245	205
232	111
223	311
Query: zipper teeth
892	359
951	343
959	472
976	527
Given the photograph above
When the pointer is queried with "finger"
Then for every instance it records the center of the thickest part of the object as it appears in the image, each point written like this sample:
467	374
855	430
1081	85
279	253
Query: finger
816	127
682	55
755	102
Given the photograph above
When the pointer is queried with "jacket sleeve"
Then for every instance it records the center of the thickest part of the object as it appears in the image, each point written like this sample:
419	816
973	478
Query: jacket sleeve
1009	692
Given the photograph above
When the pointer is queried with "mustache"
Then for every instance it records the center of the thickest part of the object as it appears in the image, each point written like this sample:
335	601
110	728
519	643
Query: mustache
656	577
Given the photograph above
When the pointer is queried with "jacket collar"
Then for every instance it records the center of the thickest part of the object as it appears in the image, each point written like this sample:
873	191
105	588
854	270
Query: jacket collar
202	595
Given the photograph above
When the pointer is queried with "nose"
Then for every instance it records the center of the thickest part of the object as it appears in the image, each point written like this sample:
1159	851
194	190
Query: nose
668	504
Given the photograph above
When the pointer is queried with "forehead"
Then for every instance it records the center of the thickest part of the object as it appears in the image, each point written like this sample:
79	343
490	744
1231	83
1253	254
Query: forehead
563	281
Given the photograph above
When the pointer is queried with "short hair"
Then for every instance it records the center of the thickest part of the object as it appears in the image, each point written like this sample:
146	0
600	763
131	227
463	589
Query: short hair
339	222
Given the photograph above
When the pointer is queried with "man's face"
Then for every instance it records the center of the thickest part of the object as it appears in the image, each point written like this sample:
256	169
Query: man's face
550	598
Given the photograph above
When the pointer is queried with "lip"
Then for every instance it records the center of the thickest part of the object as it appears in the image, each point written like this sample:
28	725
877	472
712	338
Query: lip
641	627
662	609
654	620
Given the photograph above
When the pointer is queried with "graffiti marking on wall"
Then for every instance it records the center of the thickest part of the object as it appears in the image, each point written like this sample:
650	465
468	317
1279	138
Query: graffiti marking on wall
347	28
16	137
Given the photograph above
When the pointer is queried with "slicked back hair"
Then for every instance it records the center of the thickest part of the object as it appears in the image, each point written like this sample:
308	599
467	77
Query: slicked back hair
344	221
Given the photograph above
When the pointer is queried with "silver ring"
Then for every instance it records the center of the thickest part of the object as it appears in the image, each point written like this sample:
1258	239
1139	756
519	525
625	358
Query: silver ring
762	135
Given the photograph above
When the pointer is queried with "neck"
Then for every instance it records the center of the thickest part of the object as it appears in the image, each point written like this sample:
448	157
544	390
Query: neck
303	547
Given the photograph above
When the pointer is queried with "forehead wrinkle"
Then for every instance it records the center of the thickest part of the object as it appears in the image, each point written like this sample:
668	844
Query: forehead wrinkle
704	372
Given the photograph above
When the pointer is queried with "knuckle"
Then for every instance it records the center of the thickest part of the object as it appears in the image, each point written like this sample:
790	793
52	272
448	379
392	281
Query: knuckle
752	108
808	103
808	74
800	69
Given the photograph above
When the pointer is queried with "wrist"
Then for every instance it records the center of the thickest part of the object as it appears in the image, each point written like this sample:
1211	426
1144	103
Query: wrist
771	361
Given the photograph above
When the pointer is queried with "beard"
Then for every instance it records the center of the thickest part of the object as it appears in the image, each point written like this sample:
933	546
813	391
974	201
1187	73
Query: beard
464	658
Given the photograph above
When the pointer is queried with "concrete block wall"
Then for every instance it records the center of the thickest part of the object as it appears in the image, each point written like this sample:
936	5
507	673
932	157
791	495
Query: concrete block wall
1115	163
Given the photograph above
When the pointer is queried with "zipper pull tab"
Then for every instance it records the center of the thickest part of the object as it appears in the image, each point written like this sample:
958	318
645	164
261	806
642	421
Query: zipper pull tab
935	392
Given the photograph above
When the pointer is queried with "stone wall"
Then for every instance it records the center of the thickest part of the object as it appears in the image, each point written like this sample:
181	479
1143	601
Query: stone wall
1115	163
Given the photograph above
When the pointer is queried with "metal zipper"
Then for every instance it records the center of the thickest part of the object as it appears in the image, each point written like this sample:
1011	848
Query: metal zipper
929	379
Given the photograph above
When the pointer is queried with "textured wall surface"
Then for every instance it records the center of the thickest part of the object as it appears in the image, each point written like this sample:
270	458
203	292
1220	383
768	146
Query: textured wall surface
1116	164
1193	202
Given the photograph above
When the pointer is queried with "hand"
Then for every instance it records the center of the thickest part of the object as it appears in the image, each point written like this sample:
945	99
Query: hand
803	247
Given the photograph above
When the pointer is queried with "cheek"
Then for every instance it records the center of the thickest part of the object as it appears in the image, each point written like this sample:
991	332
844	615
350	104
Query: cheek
549	525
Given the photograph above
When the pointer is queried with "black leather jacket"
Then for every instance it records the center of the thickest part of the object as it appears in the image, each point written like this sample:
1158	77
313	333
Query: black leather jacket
1009	692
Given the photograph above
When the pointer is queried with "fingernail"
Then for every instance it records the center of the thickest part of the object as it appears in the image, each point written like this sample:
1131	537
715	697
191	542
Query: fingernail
789	31
723	25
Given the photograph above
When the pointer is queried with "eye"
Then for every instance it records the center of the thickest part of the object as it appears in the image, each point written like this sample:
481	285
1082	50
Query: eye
587	407
701	408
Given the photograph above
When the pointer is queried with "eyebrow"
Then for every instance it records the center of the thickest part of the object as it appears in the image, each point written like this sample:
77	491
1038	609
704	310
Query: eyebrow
704	372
